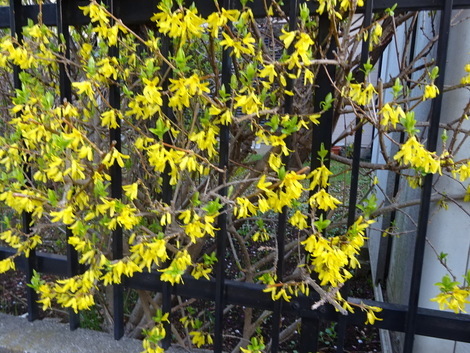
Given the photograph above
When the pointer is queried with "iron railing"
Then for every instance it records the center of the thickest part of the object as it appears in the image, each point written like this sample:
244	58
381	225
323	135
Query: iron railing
410	319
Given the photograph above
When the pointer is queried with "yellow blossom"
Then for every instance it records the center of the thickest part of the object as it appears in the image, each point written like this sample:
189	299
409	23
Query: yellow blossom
66	215
430	91
359	95
84	87
391	114
131	190
324	201
412	152
239	47
299	220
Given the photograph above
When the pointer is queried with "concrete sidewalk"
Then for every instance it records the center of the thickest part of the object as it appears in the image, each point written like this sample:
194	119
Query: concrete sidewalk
18	335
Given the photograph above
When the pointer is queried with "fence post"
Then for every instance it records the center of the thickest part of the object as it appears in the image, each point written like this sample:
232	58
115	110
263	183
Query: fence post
16	18
353	189
116	188
66	98
221	240
423	218
166	188
282	218
321	135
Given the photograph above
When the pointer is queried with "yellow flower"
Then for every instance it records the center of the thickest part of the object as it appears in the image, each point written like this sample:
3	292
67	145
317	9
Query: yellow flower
248	103
6	265
324	201
287	37
298	220
268	71
66	215
376	33
84	87
413	153
184	89
96	13
113	156
359	95
177	268
200	338
371	317
391	115
244	208
466	79
430	91
308	76
184	24
131	190
239	47
319	177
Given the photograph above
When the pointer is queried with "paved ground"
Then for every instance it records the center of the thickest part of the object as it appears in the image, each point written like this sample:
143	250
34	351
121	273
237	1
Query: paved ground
18	335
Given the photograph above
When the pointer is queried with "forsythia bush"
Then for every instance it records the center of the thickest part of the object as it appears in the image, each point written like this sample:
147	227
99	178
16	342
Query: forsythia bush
56	157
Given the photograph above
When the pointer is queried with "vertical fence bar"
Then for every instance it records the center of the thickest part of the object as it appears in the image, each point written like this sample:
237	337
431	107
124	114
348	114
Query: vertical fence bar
282	218
321	135
65	98
354	184
423	217
385	250
166	189
31	296
116	189
224	140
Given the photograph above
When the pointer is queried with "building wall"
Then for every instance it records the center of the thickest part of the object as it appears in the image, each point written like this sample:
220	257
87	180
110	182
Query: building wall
448	230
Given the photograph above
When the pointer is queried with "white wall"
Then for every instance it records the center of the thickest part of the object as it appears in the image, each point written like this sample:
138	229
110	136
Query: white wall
449	229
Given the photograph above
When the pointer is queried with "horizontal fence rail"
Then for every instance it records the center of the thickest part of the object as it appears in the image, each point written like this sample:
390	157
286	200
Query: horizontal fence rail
146	8
409	319
434	323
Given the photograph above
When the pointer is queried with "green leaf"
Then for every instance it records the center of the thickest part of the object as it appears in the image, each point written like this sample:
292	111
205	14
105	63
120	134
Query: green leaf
409	123
391	10
36	281
447	284
369	205
223	92
52	197
443	256
100	189
213	207
327	103
251	71
195	199
273	123
397	88
467	278
434	73
210	259
289	125
368	67
281	173
323	152
304	13
321	224
160	129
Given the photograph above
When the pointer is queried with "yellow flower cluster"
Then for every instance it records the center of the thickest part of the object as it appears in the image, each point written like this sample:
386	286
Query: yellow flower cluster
330	257
391	114
466	79
360	94
171	128
412	152
344	5
455	299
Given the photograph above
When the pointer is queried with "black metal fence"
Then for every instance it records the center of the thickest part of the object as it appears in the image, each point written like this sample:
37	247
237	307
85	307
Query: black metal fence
409	319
